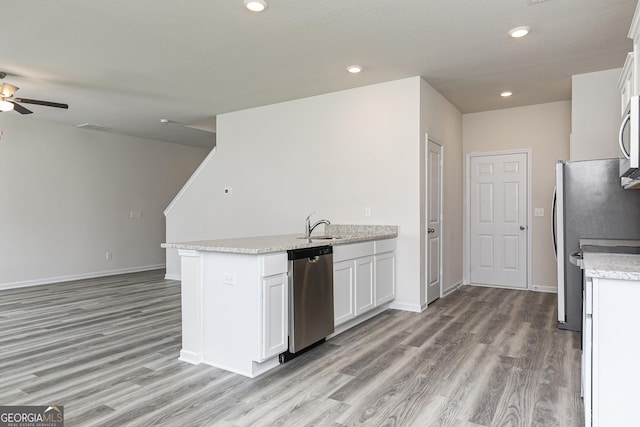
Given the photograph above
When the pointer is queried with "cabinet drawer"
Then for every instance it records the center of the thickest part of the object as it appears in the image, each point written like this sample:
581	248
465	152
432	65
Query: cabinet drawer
352	251
271	265
387	245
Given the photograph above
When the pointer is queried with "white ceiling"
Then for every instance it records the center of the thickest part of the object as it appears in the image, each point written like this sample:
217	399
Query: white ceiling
126	64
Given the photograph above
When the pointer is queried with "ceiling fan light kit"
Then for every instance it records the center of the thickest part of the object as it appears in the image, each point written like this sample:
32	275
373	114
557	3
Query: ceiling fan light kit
8	102
6	106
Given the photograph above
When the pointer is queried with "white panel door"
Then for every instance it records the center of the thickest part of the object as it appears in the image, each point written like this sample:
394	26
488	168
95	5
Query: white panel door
434	209
498	215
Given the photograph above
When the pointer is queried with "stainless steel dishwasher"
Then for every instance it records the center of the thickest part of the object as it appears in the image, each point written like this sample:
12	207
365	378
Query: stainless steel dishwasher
310	296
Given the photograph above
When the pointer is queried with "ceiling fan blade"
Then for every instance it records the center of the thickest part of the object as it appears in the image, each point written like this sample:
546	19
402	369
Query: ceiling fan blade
7	90
45	103
19	108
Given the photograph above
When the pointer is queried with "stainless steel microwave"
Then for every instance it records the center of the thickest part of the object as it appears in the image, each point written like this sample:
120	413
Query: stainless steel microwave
629	141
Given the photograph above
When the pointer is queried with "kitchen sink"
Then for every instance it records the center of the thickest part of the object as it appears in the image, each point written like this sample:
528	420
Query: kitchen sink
323	237
328	237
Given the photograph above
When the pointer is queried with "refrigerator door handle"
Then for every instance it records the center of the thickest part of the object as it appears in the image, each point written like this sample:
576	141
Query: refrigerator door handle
553	222
562	288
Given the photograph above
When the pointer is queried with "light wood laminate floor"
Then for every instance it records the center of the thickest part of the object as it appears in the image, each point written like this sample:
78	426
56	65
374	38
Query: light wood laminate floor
107	349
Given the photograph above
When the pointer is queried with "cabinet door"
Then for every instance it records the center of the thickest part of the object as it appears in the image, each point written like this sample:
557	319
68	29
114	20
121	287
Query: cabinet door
275	328
365	298
615	351
385	277
343	284
587	320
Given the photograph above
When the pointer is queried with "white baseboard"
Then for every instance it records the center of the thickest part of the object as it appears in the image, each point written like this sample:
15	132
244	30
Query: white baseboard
451	289
195	358
482	285
177	277
58	279
535	288
416	308
545	288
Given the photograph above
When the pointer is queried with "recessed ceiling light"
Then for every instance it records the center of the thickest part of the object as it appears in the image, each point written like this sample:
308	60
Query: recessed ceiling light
255	5
519	32
506	94
354	69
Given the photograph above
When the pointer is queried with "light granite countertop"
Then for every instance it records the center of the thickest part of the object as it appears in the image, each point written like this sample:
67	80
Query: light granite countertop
342	234
612	266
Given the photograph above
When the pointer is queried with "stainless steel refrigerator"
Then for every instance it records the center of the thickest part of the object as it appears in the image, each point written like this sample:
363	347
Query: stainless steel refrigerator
589	204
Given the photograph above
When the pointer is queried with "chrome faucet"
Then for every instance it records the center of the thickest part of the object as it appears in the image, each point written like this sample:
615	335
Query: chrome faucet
308	229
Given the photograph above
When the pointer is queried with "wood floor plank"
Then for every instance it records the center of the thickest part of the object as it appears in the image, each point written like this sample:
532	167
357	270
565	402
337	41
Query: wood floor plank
107	348
485	407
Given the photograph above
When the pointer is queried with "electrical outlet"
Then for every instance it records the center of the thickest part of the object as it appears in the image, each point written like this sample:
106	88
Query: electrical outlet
367	211
228	191
135	214
108	256
539	212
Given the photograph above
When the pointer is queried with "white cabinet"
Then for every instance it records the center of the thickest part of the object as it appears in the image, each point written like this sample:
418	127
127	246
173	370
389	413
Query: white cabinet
587	337
353	291
612	362
634	34
343	289
364	285
234	310
363	278
629	82
235	307
385	271
274	315
626	84
274	319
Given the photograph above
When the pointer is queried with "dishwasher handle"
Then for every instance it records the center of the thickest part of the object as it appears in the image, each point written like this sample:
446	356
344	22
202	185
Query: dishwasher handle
310	253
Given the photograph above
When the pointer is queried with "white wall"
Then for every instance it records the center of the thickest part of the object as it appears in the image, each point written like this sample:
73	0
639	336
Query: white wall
544	129
66	195
595	115
334	154
442	122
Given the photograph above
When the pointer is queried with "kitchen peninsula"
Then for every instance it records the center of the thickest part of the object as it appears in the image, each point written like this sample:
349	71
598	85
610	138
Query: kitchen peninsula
235	292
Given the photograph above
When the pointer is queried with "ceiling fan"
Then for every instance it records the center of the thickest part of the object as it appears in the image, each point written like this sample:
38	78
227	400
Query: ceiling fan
8	102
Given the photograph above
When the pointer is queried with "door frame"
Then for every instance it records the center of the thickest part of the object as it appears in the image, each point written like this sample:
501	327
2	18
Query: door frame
467	213
424	224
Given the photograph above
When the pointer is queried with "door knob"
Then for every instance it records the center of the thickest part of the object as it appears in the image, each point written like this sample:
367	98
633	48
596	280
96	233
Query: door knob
431	230
522	227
